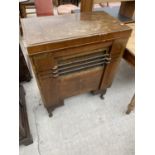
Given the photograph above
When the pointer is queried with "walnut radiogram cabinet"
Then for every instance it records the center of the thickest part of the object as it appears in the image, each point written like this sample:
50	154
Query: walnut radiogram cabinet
74	54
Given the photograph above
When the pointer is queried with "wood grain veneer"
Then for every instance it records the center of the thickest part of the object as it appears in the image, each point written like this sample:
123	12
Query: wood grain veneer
74	54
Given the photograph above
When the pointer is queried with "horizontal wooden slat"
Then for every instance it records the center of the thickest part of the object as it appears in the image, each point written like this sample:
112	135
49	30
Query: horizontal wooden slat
82	82
81	60
82	64
79	68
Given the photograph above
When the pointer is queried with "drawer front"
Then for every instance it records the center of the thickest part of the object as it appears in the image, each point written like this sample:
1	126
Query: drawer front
76	73
84	49
62	74
67	65
80	82
47	60
80	72
43	63
67	72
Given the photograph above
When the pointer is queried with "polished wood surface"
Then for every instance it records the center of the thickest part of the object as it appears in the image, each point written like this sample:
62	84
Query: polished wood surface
74	54
70	27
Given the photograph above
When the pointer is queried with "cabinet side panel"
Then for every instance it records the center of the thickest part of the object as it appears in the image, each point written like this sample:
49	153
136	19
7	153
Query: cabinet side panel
48	86
49	90
116	55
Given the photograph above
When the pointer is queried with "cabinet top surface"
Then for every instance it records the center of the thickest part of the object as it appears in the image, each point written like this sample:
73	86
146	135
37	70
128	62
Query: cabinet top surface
41	30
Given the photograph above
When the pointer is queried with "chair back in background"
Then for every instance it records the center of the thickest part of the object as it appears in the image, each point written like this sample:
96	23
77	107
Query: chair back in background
44	7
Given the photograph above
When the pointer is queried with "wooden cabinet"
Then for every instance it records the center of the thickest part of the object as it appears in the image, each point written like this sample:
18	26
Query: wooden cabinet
24	130
75	2
74	54
127	8
24	73
23	5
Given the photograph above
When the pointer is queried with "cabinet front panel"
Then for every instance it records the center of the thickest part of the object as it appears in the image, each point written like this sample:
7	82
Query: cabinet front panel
72	74
80	82
43	62
74	71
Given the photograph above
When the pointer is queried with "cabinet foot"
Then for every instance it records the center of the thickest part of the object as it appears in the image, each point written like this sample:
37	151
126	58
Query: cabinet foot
103	93
50	109
50	113
99	92
27	141
131	105
102	96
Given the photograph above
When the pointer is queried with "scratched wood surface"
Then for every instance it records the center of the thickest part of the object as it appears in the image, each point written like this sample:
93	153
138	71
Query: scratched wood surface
56	28
74	54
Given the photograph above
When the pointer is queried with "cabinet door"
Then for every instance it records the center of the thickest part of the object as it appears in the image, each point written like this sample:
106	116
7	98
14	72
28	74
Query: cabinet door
80	72
48	85
69	72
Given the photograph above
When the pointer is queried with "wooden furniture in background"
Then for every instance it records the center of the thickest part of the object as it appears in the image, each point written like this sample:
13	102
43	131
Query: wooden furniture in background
131	105
129	56
127	7
24	130
24	73
74	54
42	7
75	2
23	6
113	11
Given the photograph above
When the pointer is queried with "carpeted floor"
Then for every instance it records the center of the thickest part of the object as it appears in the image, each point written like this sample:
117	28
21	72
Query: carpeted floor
85	125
